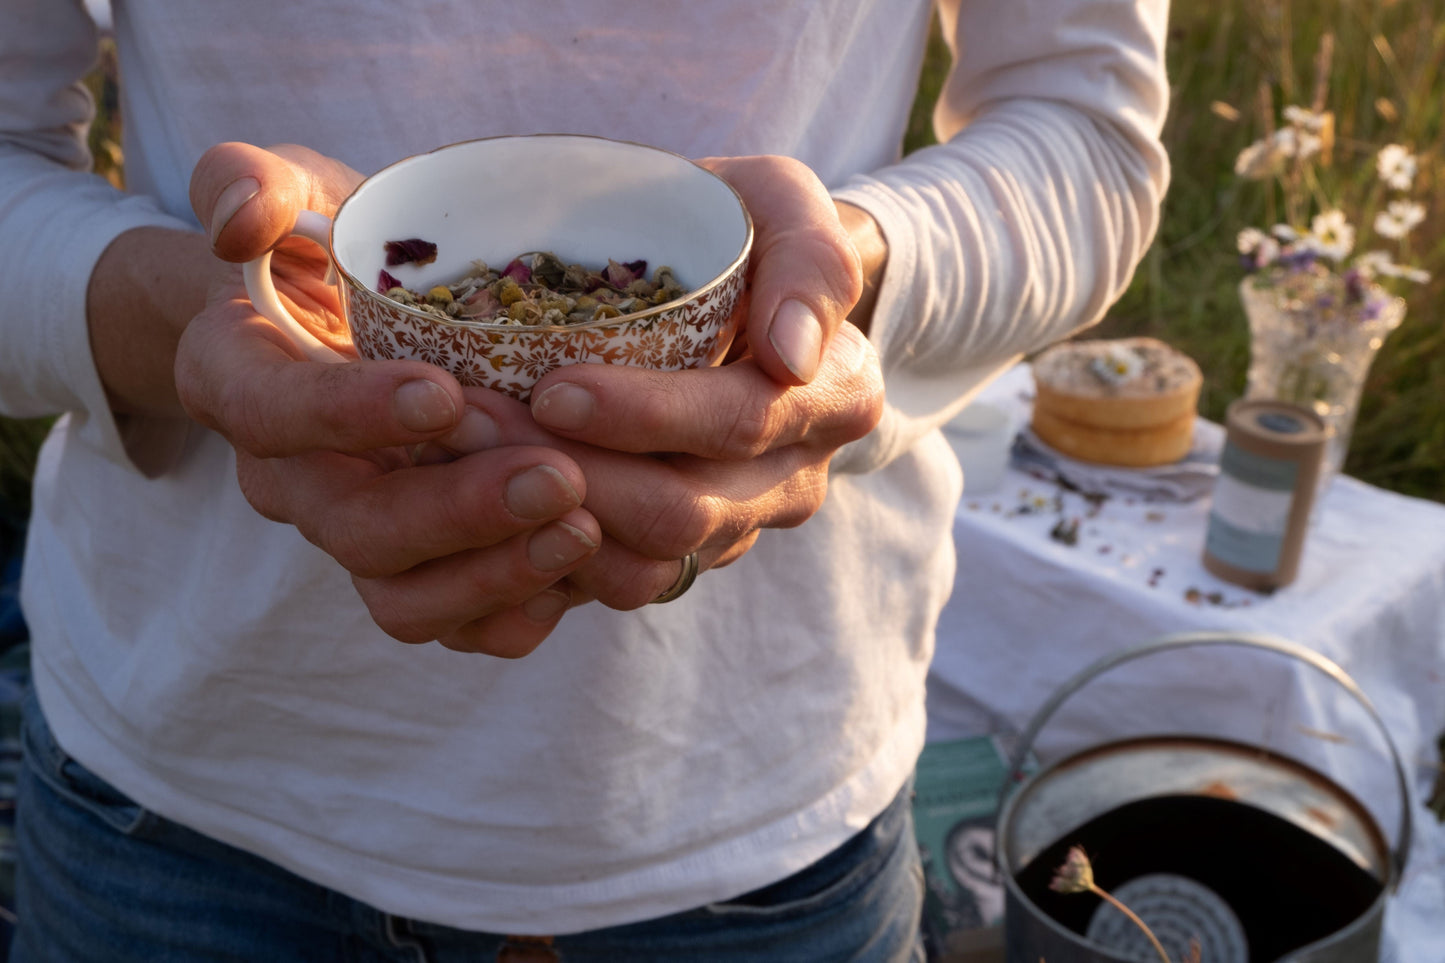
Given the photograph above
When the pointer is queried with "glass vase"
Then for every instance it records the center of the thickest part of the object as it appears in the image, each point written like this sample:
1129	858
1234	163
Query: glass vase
1314	349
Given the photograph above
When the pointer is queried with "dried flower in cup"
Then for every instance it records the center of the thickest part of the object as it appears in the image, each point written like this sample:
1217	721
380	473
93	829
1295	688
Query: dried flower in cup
1076	875
535	288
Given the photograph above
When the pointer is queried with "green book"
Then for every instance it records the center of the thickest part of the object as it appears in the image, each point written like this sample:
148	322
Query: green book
955	803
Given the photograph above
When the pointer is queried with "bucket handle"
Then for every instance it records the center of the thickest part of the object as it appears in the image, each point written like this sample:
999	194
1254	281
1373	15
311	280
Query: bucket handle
1248	639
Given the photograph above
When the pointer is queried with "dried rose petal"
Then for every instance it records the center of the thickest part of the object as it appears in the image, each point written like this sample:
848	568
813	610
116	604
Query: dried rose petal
385	282
413	250
518	271
482	304
620	275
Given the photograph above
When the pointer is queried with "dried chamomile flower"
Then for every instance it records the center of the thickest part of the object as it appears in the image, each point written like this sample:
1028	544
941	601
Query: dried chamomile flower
536	287
1076	875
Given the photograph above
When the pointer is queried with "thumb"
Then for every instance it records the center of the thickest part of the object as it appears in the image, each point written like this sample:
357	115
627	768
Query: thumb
247	198
806	274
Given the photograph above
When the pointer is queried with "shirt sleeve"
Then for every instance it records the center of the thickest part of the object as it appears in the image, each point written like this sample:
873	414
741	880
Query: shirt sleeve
1027	220
56	218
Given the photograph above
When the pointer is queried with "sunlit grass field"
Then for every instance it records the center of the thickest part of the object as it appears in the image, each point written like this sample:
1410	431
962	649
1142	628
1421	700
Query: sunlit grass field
1389	62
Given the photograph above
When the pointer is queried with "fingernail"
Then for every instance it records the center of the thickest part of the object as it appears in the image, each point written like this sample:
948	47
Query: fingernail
566	406
546	605
232	199
798	338
423	406
540	492
475	432
557	546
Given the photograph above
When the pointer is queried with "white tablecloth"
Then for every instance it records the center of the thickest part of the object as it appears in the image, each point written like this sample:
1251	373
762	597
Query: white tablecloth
1031	608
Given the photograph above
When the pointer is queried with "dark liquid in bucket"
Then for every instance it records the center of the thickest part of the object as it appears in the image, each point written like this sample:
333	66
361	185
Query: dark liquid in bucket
1287	886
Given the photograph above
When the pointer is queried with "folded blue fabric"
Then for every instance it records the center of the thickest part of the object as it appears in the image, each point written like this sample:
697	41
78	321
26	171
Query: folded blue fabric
1183	481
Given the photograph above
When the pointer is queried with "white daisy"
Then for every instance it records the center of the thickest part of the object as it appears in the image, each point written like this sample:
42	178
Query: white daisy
1399	219
1293	142
1396	166
1258	246
1117	365
1285	141
1260	160
1378	262
1372	263
1331	235
1305	119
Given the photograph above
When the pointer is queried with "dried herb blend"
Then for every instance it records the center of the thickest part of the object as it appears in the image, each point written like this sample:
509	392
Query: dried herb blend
535	288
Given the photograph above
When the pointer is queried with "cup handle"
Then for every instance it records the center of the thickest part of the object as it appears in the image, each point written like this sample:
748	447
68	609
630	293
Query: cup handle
262	290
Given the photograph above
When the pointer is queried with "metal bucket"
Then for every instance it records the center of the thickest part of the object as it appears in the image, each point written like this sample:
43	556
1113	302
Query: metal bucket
1255	857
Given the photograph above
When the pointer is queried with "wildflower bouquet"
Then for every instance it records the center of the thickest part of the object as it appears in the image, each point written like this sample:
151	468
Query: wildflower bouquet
1311	264
1305	259
1318	312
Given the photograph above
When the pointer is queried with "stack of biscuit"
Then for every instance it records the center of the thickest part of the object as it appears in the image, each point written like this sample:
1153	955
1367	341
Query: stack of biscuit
1128	402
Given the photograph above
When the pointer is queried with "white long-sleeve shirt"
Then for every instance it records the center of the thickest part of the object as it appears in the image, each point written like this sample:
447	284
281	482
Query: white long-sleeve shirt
222	671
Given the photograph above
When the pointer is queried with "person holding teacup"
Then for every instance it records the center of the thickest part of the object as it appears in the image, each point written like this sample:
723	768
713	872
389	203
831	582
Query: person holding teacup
231	753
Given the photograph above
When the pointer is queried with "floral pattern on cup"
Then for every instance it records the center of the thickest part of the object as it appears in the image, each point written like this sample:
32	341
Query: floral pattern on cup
511	358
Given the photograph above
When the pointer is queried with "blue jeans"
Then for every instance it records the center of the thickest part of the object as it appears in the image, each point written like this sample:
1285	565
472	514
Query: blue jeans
102	880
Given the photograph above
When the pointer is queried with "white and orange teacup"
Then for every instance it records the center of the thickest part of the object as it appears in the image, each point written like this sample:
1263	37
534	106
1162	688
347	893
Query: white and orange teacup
585	199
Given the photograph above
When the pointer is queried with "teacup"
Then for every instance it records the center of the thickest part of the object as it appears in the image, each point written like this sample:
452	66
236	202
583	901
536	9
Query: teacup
586	199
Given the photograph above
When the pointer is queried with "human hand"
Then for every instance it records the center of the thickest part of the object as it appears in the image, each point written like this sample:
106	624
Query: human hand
805	274
702	460
469	552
